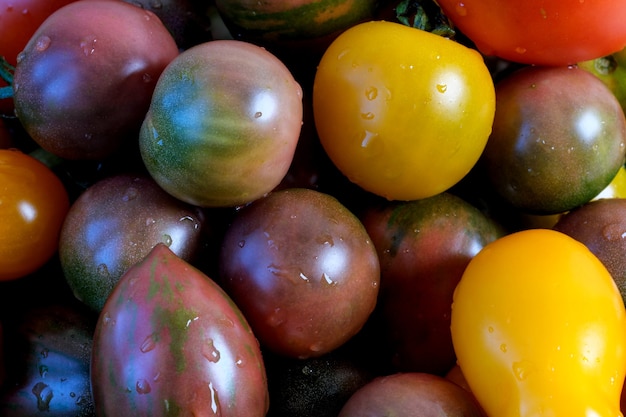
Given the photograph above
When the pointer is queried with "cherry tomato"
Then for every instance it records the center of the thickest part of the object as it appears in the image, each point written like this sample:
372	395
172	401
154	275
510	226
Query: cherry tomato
407	120
563	31
539	328
33	205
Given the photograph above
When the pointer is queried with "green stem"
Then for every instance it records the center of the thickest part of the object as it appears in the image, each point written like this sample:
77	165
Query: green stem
6	73
425	15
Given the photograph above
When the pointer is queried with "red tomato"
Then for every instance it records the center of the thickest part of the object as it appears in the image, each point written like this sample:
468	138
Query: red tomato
563	31
33	205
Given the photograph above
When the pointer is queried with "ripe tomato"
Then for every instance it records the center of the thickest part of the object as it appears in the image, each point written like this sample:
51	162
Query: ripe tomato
33	205
563	32
407	120
538	326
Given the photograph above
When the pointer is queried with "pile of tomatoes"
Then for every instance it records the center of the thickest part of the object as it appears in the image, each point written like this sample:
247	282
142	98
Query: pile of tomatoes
312	208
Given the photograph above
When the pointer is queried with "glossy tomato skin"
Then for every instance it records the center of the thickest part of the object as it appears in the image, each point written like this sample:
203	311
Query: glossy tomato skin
113	50
559	138
411	394
600	225
114	224
563	32
423	247
302	269
34	205
538	326
406	121
223	124
169	340
47	348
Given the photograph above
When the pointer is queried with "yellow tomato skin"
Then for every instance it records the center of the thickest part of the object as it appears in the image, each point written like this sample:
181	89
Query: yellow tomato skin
403	113
539	328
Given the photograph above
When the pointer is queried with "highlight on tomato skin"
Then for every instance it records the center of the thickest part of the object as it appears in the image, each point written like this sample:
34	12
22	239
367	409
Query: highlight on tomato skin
34	205
538	319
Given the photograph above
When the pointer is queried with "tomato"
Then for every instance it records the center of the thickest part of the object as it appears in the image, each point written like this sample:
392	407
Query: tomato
553	32
223	124
558	140
303	270
169	341
406	121
113	50
539	328
18	21
34	205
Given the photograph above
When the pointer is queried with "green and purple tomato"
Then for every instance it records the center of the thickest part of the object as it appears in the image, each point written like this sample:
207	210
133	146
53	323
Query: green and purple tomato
114	224
302	269
558	139
169	341
223	124
423	247
84	81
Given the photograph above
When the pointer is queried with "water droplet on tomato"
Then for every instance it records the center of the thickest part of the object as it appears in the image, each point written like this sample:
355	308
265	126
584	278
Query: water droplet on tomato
240	362
258	115
520	50
142	386
43	371
442	88
241	243
148	344
316	347
130	194
156	4
103	270
328	280
367	116
215	402
276	318
88	45
614	232
167	240
146	78
520	370
43	42
210	352
460	9
44	395
371	93
503	347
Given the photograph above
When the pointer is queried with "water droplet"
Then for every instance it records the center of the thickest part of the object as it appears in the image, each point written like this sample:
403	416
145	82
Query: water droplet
520	50
146	78
150	221
367	116
107	320
88	45
167	239
328	280
442	88
460	9
240	362
215	402
371	93
316	347
43	371
156	4
44	395
276	318
130	194
210	352
490	329
370	143
325	239
43	42
342	54
103	271
241	243
142	386
44	353
304	277
148	344
614	232
258	114
503	347
520	370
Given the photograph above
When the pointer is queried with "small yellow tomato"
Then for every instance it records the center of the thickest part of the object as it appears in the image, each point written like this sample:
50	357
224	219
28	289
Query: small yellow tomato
539	328
401	112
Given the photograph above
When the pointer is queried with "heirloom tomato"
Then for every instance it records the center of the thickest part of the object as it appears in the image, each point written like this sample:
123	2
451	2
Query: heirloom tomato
539	328
33	206
223	124
552	32
402	112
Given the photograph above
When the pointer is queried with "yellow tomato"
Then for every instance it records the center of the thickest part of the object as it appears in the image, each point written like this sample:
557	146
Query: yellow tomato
539	328
403	113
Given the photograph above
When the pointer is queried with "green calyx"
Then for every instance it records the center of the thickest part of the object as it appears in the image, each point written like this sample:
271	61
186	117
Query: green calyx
6	73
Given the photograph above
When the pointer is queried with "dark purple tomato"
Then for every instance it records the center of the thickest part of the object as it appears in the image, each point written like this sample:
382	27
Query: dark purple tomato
170	342
114	224
411	394
84	81
223	124
302	269
601	226
423	247
558	139
46	353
